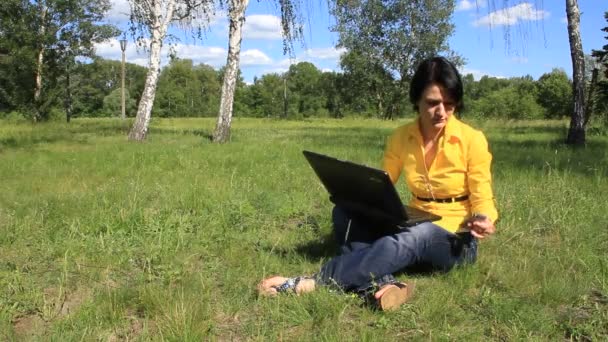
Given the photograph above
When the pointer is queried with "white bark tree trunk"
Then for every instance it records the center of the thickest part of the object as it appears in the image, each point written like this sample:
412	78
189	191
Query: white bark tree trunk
576	133
139	131
38	84
237	18
40	60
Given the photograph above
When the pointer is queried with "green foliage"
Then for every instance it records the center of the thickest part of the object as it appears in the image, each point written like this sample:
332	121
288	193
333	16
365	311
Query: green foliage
485	86
386	40
112	104
601	93
555	93
94	81
395	34
267	96
106	240
303	83
57	30
13	117
512	102
17	40
369	87
186	90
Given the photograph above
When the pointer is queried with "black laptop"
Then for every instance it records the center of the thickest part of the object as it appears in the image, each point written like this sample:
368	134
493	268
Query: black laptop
365	191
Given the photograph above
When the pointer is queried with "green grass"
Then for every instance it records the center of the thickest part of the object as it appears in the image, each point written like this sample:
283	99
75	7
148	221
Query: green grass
103	239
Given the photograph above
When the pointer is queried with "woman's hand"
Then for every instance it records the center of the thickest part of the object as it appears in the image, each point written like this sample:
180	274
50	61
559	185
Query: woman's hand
480	226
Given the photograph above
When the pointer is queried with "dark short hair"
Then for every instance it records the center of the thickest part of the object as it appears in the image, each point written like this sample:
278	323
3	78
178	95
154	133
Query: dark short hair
440	71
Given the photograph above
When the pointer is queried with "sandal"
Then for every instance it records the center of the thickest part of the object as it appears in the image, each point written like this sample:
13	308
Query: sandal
290	285
274	285
394	296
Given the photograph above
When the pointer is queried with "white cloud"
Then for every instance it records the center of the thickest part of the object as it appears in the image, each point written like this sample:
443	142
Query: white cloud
262	26
281	66
139	61
328	53
254	57
512	15
287	62
273	71
111	49
465	5
119	12
211	55
477	74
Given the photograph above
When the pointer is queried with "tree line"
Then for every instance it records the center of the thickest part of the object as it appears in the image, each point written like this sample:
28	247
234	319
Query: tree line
186	89
41	42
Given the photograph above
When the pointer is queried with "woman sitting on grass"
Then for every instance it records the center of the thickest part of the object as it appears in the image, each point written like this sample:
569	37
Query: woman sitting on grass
447	169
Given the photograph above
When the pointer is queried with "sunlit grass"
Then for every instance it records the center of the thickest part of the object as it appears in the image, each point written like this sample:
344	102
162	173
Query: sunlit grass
107	239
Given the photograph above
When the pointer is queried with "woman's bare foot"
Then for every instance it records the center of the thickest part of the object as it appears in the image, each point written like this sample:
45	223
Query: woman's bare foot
391	296
269	286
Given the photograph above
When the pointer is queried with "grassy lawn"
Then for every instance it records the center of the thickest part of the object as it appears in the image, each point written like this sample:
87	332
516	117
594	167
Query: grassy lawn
103	239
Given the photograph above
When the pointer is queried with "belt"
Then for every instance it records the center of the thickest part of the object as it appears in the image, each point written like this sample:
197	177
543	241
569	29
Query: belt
444	200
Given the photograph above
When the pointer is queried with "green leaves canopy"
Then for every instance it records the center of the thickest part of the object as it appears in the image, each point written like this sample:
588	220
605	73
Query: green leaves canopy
386	40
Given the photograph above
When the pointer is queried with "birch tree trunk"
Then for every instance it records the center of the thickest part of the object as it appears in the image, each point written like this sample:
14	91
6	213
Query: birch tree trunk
237	18
68	94
39	61
158	30
38	81
576	133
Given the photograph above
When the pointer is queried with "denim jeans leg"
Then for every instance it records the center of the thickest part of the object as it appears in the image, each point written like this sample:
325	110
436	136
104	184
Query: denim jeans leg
425	243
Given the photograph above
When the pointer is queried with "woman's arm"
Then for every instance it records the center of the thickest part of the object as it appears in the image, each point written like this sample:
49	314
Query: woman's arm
392	162
479	179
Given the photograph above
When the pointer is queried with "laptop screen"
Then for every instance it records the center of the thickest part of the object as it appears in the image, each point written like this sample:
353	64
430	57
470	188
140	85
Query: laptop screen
360	188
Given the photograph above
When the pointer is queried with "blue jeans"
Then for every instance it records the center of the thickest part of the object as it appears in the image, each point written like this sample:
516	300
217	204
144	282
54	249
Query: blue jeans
369	255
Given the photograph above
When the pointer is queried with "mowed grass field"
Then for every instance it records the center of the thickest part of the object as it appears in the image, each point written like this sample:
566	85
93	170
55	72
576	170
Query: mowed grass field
105	239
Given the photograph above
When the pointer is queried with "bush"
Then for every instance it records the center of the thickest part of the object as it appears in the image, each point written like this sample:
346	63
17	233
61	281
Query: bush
13	117
57	114
509	103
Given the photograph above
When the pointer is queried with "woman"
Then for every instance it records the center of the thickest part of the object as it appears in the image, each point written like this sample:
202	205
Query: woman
447	169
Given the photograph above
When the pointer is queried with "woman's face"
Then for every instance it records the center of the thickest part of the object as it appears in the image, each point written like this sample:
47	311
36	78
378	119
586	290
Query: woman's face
435	107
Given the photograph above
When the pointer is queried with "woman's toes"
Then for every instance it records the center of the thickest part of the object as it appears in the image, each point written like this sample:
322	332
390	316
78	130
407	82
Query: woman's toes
384	288
267	286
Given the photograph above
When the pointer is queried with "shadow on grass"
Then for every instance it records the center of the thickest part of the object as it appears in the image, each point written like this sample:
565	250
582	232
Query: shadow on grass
178	131
538	155
371	138
51	132
323	248
532	130
80	132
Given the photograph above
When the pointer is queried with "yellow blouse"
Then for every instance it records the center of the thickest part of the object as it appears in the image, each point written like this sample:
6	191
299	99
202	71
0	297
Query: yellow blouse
461	167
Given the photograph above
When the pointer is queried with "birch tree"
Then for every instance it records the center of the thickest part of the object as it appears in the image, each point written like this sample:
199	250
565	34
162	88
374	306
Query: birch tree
47	35
236	17
576	133
386	39
291	29
151	19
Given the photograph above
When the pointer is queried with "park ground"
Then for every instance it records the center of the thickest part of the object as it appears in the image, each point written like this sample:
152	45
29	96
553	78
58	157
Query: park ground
105	239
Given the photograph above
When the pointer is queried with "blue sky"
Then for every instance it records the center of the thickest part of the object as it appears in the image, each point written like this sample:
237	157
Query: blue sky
538	31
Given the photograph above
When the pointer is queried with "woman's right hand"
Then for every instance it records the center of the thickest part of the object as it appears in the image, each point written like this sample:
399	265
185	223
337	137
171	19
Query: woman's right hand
480	226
